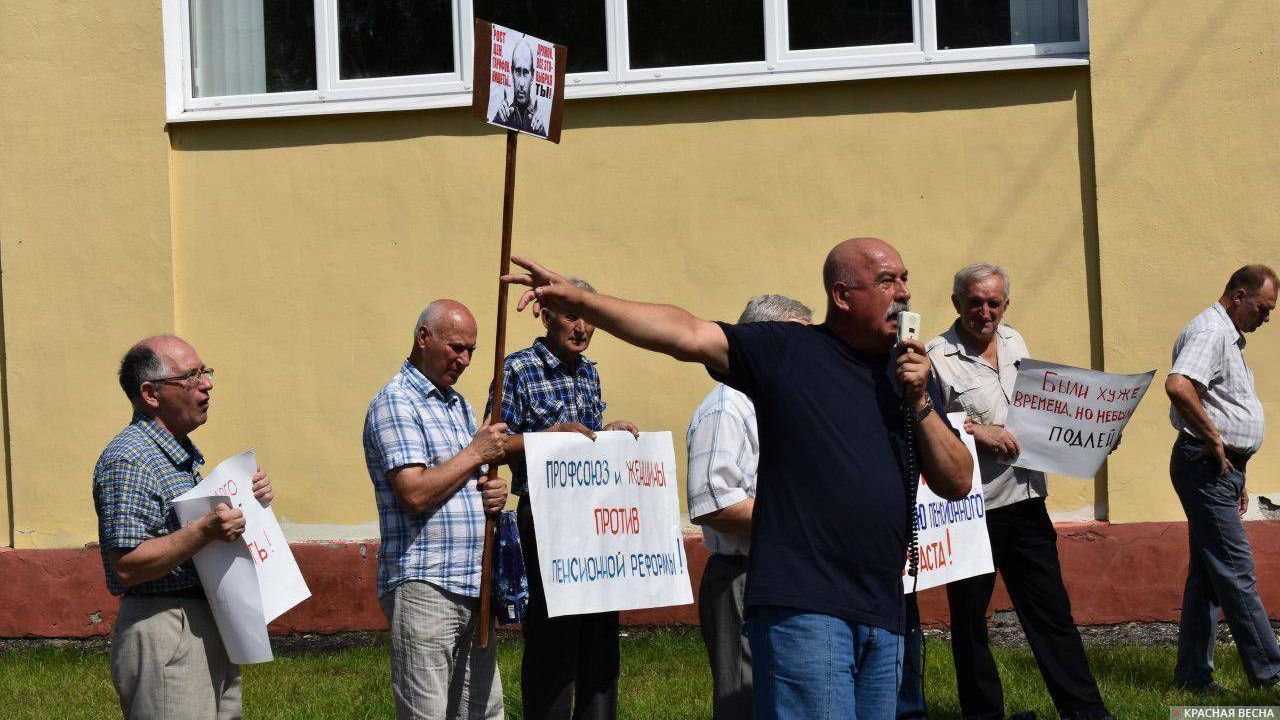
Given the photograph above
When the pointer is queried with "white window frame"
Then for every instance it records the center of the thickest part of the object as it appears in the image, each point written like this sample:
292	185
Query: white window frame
780	65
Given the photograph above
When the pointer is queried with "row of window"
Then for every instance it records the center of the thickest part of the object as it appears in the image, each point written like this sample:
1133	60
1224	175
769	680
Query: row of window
271	53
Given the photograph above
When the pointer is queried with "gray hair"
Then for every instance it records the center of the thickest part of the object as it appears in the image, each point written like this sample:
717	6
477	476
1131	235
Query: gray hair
766	308
141	364
576	282
977	272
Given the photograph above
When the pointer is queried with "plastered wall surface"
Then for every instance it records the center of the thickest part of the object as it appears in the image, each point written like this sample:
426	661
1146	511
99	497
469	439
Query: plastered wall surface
305	248
84	243
296	253
1185	107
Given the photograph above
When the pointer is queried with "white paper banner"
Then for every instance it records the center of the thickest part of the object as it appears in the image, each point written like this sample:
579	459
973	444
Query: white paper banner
1067	419
954	544
253	581
608	521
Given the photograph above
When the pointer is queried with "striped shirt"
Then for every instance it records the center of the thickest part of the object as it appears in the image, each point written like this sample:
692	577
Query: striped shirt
139	473
1210	351
724	453
539	391
413	422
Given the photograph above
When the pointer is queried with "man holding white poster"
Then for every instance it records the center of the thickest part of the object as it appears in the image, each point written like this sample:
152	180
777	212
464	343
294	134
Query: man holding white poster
570	663
976	363
167	657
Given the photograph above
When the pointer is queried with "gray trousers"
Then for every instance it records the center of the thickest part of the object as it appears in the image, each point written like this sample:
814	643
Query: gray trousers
167	661
1220	574
720	613
438	672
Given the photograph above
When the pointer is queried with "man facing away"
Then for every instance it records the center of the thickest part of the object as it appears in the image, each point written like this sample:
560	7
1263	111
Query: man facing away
1218	416
426	460
167	658
724	453
835	408
976	363
570	663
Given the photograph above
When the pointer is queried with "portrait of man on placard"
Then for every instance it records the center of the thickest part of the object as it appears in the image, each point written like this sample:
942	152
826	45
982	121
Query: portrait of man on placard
522	82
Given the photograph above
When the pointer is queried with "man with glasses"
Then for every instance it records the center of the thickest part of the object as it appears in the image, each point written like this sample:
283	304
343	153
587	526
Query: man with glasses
976	363
167	658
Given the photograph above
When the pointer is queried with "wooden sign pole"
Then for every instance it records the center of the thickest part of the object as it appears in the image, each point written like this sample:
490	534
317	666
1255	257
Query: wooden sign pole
495	397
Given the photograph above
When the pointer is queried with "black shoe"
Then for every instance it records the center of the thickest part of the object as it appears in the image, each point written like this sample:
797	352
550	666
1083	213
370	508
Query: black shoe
1213	687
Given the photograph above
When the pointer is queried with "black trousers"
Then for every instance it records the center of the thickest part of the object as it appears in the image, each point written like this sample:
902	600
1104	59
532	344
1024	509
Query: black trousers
570	663
1024	546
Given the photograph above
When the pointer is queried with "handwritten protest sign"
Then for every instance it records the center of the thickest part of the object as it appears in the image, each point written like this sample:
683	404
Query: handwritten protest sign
954	543
608	521
519	81
1067	419
249	582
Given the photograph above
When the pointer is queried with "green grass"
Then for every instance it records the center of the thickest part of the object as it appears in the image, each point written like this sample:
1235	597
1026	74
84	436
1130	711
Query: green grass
664	677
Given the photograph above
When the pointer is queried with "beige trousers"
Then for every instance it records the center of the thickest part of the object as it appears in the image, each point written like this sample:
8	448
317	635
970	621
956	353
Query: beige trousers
167	662
438	672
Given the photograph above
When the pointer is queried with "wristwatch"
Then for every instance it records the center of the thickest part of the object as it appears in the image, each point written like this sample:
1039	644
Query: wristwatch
922	413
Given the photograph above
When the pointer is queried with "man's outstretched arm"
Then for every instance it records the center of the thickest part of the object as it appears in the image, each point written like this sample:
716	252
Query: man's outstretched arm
666	329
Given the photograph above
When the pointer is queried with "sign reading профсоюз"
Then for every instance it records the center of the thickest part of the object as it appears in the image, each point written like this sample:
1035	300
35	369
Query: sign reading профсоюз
607	517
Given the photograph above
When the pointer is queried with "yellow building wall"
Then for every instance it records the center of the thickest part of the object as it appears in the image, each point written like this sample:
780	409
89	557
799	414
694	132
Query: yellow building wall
84	242
304	248
1185	108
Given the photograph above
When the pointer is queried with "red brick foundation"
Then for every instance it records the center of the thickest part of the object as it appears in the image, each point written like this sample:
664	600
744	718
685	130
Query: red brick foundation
1114	573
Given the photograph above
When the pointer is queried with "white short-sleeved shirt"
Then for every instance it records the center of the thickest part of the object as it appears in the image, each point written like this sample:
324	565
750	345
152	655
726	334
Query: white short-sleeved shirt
724	453
1210	351
970	385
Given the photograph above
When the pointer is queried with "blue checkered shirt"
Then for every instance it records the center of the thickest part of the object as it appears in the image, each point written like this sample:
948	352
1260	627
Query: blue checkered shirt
539	391
412	422
141	470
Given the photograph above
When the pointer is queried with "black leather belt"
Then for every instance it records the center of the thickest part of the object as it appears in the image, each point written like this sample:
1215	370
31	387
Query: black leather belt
195	592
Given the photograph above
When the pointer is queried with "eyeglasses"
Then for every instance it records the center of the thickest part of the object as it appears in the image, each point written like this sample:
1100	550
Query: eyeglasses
189	378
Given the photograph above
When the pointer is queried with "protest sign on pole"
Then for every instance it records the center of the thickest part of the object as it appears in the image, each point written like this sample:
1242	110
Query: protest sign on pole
954	543
519	81
253	580
1067	419
607	516
519	85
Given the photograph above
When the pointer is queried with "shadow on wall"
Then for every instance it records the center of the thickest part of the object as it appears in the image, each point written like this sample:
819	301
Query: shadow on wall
888	96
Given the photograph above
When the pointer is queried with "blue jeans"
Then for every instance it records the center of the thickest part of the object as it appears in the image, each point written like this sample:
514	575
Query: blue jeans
808	666
1220	574
911	691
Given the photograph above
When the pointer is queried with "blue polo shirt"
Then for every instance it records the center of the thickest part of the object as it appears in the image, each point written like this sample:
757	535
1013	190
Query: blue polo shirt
829	534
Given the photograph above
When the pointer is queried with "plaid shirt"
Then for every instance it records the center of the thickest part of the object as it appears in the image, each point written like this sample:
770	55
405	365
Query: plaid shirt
141	470
724	454
412	422
539	391
1210	351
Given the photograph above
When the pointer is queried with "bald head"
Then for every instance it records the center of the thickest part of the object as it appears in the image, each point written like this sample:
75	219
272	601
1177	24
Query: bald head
866	284
441	312
149	359
444	341
164	377
850	261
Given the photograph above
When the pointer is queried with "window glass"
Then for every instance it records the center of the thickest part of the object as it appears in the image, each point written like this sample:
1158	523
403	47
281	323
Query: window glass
252	46
389	38
985	23
577	24
666	33
815	24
